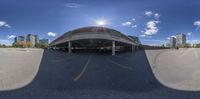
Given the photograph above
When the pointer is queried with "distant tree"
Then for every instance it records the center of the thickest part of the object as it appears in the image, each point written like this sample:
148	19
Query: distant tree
4	46
21	44
187	45
37	45
29	44
196	46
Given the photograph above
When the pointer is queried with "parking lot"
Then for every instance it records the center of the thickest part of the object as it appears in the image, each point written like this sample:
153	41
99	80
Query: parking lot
95	75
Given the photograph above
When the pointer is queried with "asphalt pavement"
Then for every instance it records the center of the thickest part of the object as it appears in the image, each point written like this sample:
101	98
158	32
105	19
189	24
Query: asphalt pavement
96	76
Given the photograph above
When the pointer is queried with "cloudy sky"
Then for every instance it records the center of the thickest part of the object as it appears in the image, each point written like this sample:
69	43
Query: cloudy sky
154	21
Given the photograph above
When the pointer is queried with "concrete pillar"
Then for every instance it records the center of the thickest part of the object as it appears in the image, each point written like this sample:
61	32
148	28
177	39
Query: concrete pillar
69	47
113	48
133	48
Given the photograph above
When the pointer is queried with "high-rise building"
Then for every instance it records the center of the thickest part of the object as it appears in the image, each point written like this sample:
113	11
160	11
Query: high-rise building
180	40
37	41
44	42
31	38
30	41
19	39
172	42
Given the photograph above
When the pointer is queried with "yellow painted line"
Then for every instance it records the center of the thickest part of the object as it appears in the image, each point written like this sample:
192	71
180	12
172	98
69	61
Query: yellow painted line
120	65
83	70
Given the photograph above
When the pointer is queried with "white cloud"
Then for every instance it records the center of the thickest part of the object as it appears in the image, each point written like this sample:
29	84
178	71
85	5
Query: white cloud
11	36
189	33
146	36
133	19
73	5
51	34
152	14
197	24
4	24
148	13
128	23
168	38
173	36
156	15
6	42
151	28
142	35
134	26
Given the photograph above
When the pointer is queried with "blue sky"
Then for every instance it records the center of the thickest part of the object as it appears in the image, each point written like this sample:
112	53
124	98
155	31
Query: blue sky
152	20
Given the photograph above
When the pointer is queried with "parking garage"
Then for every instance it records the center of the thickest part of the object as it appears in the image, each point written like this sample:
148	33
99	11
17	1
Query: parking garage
101	39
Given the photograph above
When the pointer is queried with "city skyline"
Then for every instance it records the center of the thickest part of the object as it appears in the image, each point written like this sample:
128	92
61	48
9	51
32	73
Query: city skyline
153	23
179	40
30	40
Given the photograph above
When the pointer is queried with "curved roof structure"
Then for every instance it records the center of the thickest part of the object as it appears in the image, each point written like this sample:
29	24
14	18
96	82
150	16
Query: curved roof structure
93	33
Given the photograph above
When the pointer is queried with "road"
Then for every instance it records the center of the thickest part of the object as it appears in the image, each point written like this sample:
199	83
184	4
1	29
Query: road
95	76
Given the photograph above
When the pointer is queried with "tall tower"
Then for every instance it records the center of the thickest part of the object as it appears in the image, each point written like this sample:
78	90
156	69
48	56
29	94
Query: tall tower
36	39
31	38
172	42
180	40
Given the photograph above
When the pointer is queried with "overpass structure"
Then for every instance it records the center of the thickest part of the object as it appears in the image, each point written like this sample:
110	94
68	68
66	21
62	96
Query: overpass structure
100	38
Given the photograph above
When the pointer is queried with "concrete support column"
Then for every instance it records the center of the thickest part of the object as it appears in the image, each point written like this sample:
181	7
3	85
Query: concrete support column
133	48
69	47
113	48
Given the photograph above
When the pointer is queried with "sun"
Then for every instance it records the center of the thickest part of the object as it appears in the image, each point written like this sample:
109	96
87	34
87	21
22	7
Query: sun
101	22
